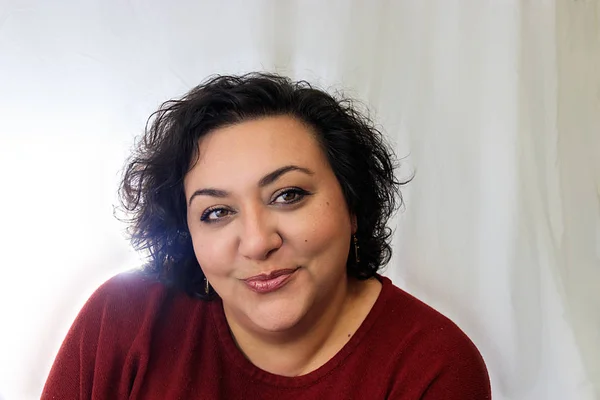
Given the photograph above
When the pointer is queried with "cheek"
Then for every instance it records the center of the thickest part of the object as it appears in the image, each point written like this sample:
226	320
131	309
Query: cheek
211	252
327	228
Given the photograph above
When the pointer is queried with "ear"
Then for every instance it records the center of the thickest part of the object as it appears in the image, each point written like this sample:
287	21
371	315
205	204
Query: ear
354	223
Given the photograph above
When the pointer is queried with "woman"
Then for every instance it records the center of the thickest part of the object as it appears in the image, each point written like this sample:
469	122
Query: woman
262	203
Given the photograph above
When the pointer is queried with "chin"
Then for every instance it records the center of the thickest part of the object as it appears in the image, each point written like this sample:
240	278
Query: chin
278	316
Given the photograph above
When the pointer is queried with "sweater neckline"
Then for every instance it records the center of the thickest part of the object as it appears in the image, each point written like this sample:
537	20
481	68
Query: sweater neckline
237	358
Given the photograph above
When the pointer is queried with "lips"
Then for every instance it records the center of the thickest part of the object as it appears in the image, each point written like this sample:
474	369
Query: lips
271	275
266	283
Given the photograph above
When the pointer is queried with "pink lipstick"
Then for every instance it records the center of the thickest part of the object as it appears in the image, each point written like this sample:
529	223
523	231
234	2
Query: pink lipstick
266	283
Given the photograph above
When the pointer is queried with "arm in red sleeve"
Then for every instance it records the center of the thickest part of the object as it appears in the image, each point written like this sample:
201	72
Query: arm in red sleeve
442	365
462	376
90	362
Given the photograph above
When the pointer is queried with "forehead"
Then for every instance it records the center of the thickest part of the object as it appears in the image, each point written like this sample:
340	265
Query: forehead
252	148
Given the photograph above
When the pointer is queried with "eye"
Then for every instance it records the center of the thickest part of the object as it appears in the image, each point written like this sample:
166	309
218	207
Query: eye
214	214
290	196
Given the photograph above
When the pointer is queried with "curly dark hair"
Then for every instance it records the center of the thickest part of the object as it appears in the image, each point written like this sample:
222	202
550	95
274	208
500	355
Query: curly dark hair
152	193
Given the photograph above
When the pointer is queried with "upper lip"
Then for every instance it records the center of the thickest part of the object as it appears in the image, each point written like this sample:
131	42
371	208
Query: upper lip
271	275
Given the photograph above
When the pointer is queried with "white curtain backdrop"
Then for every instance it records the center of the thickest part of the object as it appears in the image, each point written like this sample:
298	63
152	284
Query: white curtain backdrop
495	105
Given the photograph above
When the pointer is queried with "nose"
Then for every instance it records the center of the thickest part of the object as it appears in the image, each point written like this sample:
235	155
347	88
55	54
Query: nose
259	235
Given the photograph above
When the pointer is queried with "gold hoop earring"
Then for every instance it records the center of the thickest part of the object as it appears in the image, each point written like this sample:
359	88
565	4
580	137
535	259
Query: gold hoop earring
356	247
206	286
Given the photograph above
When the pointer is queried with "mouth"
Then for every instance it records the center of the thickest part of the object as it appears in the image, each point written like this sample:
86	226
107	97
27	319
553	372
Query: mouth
266	283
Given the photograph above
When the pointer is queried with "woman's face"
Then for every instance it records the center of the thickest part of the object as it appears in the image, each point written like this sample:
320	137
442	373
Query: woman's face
269	223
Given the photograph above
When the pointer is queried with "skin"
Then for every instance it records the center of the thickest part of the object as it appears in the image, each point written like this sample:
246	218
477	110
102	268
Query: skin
295	218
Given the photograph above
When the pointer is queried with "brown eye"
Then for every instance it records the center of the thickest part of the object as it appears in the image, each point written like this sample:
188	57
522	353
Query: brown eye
214	214
220	213
290	196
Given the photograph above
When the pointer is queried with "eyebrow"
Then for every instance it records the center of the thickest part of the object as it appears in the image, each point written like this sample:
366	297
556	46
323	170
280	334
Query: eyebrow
264	181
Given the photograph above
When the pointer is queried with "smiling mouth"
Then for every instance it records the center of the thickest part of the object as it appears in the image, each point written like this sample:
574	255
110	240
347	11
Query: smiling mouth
266	283
271	275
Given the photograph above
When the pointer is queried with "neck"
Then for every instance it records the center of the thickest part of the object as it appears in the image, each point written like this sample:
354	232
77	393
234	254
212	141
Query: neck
310	344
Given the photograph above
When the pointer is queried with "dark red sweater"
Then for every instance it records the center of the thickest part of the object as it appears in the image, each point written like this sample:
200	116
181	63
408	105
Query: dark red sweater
135	339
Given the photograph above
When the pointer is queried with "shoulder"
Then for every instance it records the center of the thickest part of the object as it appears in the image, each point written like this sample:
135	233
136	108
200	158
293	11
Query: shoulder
134	284
118	304
126	282
133	306
405	310
448	363
102	335
125	321
123	294
127	307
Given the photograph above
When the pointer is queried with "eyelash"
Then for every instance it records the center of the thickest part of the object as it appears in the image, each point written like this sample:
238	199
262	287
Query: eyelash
301	193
